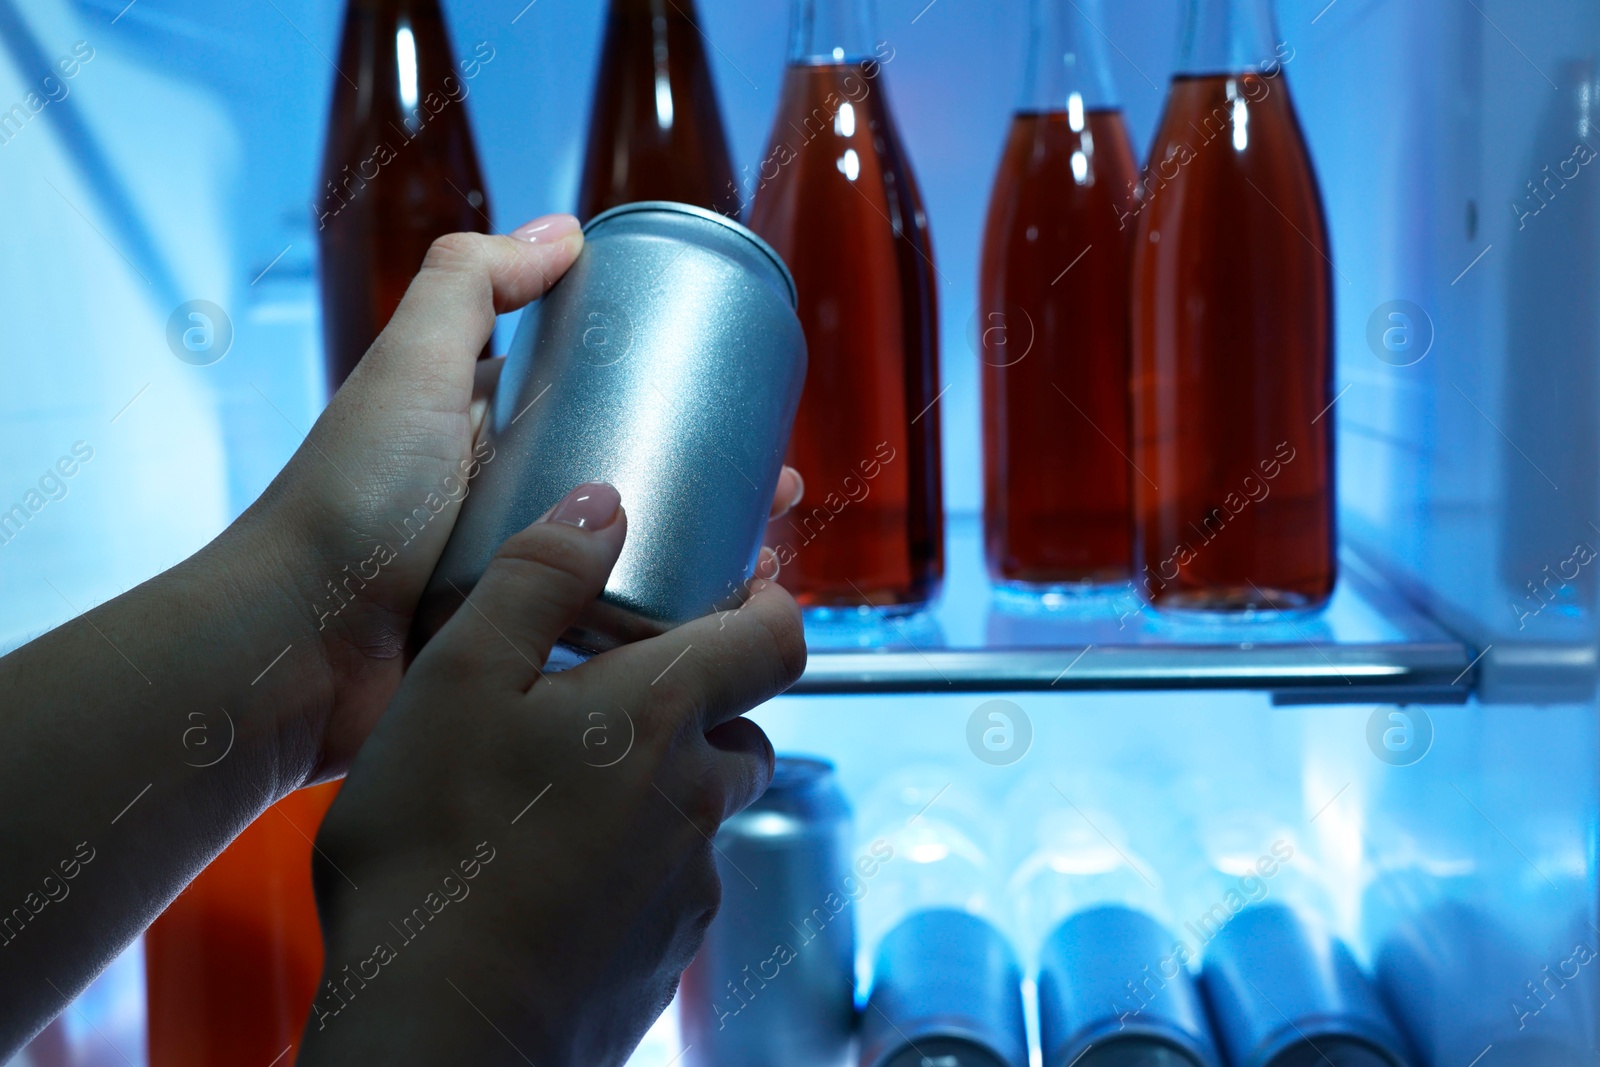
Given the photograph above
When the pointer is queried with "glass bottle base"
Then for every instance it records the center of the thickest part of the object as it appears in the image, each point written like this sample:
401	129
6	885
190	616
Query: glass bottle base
845	614
1239	604
894	626
1062	597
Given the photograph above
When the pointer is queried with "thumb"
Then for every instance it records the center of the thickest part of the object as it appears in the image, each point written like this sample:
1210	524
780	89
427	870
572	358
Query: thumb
536	586
448	313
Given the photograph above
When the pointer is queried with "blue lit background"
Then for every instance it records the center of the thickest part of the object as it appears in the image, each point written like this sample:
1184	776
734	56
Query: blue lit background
181	165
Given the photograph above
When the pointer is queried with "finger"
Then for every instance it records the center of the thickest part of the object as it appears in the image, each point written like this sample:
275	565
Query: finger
791	487
538	583
767	565
711	669
743	756
435	336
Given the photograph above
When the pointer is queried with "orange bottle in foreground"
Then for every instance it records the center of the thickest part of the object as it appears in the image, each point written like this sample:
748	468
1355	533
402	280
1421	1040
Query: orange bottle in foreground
839	202
232	965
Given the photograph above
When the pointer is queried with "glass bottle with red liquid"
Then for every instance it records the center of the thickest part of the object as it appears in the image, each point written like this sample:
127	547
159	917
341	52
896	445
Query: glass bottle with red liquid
656	130
399	167
1052	329
836	197
1232	380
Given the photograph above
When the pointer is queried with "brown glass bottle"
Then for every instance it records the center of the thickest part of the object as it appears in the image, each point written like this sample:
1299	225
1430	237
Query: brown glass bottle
399	168
232	965
838	201
1232	343
656	130
1053	321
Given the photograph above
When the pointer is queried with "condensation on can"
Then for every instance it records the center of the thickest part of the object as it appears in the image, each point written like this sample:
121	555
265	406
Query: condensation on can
668	361
774	983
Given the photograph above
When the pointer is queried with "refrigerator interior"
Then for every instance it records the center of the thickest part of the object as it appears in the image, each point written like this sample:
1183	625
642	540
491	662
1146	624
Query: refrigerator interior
1445	133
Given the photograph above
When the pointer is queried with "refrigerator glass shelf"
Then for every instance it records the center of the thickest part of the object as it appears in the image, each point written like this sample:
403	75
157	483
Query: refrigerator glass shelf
1369	644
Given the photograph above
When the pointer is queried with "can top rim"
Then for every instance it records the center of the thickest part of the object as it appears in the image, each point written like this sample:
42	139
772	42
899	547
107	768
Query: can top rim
673	207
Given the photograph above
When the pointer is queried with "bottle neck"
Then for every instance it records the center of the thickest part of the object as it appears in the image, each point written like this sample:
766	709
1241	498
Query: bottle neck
831	31
1068	67
661	9
1229	37
392	10
397	52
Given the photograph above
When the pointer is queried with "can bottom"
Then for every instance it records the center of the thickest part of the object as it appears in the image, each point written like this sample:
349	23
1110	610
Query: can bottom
955	1051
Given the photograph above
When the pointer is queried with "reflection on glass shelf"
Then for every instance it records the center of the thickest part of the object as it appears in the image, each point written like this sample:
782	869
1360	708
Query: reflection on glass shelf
1367	645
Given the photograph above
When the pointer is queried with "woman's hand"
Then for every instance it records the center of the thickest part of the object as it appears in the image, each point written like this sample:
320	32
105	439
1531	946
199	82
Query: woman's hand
529	855
137	739
393	441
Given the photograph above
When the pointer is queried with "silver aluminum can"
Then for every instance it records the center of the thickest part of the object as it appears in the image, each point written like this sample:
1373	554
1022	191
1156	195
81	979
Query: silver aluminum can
669	362
774	983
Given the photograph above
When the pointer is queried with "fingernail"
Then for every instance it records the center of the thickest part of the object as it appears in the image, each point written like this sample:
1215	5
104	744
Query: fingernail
799	487
591	506
767	564
477	410
547	229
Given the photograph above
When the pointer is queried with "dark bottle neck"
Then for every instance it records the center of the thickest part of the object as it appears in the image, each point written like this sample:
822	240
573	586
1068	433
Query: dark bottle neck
393	12
1229	37
1068	68
655	9
831	31
395	54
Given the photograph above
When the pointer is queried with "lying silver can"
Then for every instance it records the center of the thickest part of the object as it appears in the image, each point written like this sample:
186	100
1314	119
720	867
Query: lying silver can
668	362
774	983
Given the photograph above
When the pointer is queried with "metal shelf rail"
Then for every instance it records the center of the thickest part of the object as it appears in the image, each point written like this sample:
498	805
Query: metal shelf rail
1369	645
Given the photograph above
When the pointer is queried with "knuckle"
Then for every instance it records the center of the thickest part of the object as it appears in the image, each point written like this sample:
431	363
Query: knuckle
543	554
673	706
544	544
657	726
453	250
662	701
786	631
